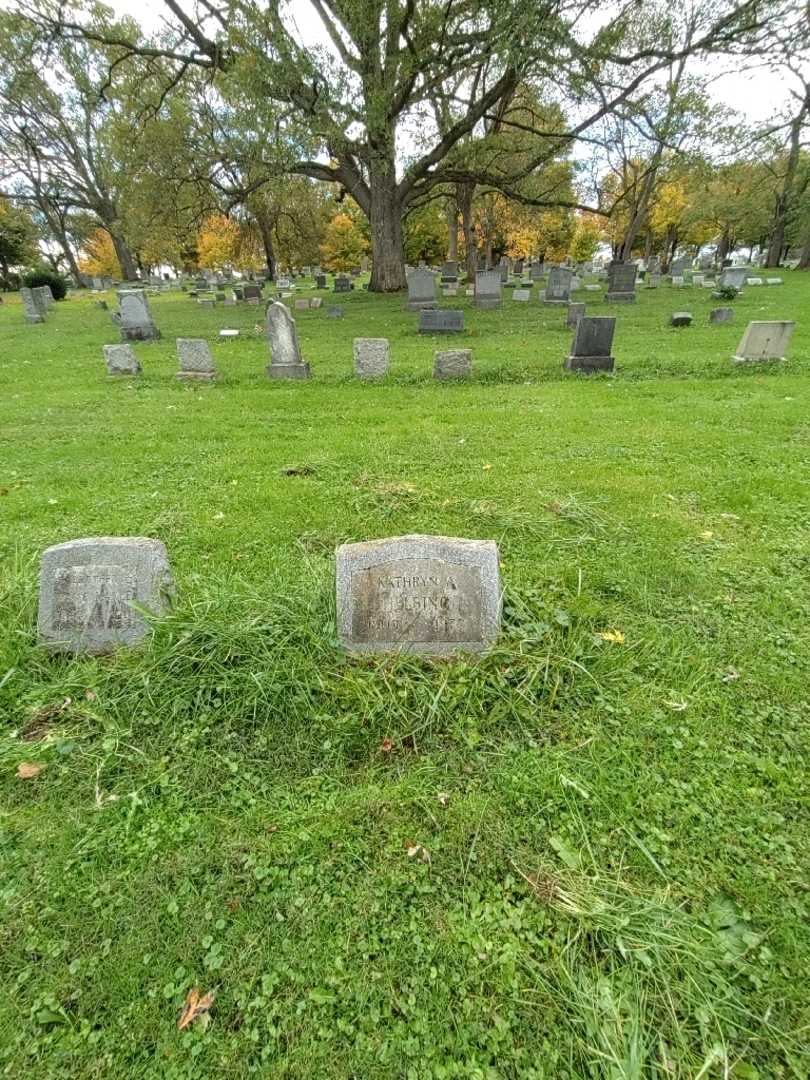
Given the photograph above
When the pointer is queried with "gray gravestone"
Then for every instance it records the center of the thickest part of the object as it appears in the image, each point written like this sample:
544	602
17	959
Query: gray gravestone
536	272
681	318
43	298
30	306
371	357
421	291
487	289
721	315
285	355
575	313
252	292
677	267
593	339
452	364
87	589
135	320
320	281
653	280
450	270
764	341
335	311
734	276
196	361
121	360
420	594
522	295
301	305
441	321
558	289
621	283
316	302
342	284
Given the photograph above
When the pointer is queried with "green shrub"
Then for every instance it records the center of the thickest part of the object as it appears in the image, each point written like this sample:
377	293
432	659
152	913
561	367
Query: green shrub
726	292
42	275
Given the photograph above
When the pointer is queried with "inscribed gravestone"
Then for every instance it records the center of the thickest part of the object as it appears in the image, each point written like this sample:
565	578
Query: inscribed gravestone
452	364
441	321
285	355
30	306
558	289
522	295
420	594
764	341
590	350
487	289
421	291
721	315
621	283
135	320
575	313
371	357
87	589
734	276
342	284
121	360
196	361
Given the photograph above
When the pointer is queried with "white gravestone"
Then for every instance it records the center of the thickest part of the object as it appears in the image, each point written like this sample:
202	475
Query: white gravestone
371	357
285	355
764	341
121	360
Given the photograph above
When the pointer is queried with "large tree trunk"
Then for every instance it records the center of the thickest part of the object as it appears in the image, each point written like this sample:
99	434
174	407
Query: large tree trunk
385	219
129	271
266	232
723	247
804	258
782	207
452	231
464	199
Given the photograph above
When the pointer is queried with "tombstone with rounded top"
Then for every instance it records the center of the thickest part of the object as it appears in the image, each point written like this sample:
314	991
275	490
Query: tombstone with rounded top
134	318
372	357
90	591
681	318
121	360
285	355
196	361
432	595
764	341
452	364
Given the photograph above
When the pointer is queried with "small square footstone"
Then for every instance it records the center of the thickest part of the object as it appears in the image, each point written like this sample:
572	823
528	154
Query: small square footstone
301	305
452	364
121	360
523	295
316	302
419	594
441	321
196	361
593	339
575	313
721	315
87	589
334	312
764	341
229	333
681	318
371	357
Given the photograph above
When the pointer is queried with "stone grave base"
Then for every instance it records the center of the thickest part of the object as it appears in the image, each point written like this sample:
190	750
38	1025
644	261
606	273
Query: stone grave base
757	359
555	303
288	371
589	363
205	376
139	333
422	305
488	305
620	298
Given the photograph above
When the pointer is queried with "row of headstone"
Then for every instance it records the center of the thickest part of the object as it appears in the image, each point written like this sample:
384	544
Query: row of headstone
431	595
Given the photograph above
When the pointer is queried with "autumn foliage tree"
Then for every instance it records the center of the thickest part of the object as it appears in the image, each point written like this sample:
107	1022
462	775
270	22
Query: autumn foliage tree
98	257
344	244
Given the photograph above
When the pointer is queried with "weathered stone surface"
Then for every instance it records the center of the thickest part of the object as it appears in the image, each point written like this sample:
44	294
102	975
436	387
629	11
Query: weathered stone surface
196	361
43	298
421	290
734	276
441	321
764	341
285	356
575	313
252	291
342	284
558	289
87	588
593	339
30	306
121	360
320	281
721	315
135	319
621	283
678	281
421	594
681	318
301	305
522	295
372	357
452	364
335	311
488	289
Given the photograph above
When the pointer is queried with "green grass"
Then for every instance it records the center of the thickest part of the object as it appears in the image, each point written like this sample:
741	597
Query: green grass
608	869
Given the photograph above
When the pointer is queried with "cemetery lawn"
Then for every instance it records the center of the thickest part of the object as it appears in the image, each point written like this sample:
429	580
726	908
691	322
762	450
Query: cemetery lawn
585	855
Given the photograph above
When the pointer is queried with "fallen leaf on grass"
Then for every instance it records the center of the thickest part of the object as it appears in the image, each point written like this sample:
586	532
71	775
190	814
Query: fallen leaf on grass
386	746
416	851
27	770
677	706
443	798
731	675
615	636
195	1008
707	535
486	467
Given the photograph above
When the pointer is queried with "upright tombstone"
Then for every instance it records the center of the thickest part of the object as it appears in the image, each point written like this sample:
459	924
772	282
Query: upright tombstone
487	289
342	284
654	265
430	595
681	318
536	272
421	291
43	298
135	319
653	280
196	361
677	267
721	315
285	355
372	357
252	292
441	321
733	276
33	314
621	283
452	364
593	339
320	281
121	360
450	270
558	289
90	590
575	313
764	341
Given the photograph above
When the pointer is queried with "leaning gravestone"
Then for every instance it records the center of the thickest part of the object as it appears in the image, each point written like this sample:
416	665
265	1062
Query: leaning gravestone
30	306
135	319
487	289
558	289
421	291
285	355
593	339
575	313
196	361
621	283
87	590
121	360
681	318
764	341
418	594
371	357
721	315
43	297
452	364
441	321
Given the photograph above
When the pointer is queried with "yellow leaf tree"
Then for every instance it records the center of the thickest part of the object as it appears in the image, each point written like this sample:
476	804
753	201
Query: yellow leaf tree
344	244
218	243
98	257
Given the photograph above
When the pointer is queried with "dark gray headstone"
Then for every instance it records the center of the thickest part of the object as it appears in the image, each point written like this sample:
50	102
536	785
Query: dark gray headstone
593	340
575	313
721	315
681	318
441	321
621	283
558	289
